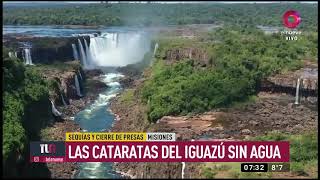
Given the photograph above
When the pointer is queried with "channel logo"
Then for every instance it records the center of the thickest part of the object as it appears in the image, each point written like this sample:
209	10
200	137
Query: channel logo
47	148
291	19
47	151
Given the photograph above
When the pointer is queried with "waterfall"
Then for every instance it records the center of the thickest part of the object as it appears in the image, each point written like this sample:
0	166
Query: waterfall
88	54
80	75
10	54
27	56
75	52
114	41
16	54
182	171
63	101
54	110
97	46
297	91
76	81
155	49
113	49
83	57
117	40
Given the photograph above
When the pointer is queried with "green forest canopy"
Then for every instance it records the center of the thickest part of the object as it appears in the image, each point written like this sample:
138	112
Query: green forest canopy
22	86
161	14
240	58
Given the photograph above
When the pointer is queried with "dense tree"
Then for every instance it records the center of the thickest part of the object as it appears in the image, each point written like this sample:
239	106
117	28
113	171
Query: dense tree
161	14
240	59
24	91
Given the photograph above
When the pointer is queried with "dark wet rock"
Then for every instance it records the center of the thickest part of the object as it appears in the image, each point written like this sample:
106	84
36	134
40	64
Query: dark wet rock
132	74
57	131
45	50
131	71
287	82
127	82
66	87
65	84
93	72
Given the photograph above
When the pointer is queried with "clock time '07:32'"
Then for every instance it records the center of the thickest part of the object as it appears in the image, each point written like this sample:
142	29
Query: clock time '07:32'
265	167
254	167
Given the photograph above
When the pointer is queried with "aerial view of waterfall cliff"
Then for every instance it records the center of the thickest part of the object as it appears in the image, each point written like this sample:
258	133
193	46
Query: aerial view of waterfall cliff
192	73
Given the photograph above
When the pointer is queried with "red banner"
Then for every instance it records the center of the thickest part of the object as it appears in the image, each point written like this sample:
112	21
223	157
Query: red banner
194	151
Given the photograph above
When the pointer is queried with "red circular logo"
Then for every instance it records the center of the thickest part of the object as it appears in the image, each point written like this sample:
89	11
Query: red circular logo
291	19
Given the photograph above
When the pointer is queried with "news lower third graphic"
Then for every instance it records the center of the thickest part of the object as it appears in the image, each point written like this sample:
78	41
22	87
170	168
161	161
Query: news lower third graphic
47	151
154	147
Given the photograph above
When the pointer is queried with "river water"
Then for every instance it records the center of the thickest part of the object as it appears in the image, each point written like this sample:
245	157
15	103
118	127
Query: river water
96	118
61	31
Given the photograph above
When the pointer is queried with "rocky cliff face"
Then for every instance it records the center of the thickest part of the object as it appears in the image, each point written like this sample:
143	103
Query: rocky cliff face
45	50
68	84
92	86
197	54
64	83
287	83
135	121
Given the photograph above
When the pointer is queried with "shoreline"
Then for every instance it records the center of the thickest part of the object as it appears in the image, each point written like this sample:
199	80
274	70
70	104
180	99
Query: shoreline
88	99
114	164
58	129
117	119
